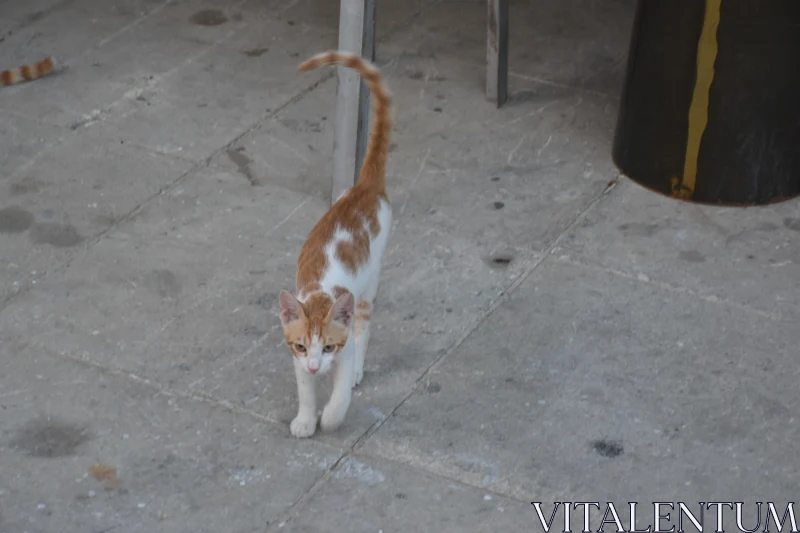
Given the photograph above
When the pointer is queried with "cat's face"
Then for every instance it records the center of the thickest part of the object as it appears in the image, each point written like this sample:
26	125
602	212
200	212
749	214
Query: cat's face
317	330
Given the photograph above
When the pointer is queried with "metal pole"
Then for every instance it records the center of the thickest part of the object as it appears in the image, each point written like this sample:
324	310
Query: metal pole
497	51
350	128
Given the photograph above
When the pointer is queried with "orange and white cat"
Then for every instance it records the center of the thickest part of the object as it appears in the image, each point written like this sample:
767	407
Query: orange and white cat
327	323
29	72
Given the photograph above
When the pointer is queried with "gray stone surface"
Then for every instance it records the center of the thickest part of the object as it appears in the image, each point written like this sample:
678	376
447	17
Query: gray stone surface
22	140
514	187
180	464
746	257
540	335
581	364
566	44
365	494
71	194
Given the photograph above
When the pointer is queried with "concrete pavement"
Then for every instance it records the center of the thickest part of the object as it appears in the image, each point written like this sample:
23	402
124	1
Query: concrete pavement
539	335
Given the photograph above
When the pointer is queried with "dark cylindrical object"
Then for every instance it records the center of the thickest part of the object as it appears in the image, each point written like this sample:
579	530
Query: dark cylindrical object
710	110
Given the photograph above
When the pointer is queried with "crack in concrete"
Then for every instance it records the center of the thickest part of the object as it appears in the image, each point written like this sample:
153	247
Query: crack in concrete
169	393
710	298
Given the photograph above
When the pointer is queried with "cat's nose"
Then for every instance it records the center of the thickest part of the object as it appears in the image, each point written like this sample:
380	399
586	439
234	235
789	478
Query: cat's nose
313	370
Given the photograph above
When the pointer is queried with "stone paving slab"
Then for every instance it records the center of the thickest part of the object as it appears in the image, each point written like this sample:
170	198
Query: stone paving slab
750	257
32	11
156	270
100	75
21	142
522	184
369	495
179	464
72	194
233	76
8	26
90	22
588	386
292	150
566	43
69	99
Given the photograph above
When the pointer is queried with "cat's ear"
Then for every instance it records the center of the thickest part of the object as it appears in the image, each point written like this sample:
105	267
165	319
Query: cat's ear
343	310
291	309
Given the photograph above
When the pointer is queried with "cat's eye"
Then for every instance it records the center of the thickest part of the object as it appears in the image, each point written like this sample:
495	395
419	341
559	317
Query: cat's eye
329	348
300	348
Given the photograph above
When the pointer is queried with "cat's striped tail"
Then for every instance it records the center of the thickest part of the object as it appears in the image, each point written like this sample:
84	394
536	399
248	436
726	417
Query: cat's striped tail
29	72
373	171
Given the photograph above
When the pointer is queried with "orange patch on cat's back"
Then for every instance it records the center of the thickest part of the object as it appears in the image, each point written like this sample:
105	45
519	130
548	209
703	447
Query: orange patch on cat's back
355	213
312	262
355	252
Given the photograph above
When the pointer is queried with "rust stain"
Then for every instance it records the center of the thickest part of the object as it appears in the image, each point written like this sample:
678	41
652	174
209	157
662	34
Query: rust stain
679	190
107	475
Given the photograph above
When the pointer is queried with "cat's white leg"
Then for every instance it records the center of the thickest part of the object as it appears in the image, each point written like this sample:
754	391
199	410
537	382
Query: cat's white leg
305	423
362	339
362	329
334	412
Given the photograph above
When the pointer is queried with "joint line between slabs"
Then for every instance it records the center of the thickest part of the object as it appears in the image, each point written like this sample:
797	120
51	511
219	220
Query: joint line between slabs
504	295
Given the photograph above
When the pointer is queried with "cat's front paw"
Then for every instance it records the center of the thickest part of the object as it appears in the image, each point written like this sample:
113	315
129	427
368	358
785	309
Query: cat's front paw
303	426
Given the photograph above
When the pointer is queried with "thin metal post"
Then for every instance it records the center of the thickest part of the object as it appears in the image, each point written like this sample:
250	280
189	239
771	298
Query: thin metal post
356	21
497	51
